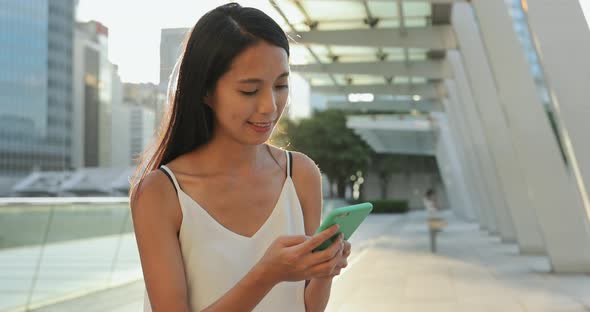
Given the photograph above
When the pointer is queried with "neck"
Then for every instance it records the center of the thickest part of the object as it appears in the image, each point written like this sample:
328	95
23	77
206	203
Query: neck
230	157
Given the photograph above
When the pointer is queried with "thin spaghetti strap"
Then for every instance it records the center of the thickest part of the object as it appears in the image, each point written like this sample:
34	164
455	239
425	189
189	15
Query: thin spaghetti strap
171	176
289	164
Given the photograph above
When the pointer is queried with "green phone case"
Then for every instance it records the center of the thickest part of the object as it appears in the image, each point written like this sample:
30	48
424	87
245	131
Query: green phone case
348	219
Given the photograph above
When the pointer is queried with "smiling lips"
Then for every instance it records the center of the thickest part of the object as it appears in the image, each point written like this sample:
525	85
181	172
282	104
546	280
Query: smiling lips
260	126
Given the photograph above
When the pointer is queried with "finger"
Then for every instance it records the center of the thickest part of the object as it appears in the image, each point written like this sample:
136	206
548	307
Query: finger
332	264
318	239
345	264
323	270
347	248
292	240
336	273
326	254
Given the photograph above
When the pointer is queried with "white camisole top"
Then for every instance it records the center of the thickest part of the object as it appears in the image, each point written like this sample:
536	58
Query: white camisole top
216	258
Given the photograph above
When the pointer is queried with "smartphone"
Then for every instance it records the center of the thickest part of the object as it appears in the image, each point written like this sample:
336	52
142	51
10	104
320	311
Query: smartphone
348	219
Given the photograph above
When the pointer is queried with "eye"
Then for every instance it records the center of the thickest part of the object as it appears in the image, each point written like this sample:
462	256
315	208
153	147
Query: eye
281	87
248	93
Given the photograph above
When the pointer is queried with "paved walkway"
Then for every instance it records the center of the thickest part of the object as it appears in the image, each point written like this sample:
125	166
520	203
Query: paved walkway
392	270
472	271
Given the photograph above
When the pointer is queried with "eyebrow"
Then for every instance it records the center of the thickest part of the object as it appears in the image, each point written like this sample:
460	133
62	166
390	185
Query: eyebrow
256	80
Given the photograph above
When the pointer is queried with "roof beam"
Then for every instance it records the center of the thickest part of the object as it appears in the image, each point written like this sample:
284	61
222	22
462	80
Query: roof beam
386	106
372	139
432	69
440	37
389	122
431	1
426	91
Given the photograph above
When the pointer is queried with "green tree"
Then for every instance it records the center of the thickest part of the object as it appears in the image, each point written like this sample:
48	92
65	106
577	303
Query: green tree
337	150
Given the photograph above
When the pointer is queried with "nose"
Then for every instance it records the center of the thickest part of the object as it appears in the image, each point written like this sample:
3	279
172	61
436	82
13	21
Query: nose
268	103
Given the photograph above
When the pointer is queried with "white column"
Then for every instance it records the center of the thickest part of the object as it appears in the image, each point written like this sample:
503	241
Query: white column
495	126
475	132
461	130
564	50
450	170
558	204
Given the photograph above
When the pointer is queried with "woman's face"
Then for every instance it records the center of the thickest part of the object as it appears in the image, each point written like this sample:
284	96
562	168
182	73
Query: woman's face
249	99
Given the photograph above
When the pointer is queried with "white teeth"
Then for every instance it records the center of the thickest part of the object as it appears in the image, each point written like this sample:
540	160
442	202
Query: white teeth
261	124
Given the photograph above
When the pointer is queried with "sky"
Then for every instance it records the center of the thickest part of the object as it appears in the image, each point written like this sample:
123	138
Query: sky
134	28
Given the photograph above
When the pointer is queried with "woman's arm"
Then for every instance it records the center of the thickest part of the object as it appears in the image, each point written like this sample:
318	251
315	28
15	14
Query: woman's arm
156	220
308	179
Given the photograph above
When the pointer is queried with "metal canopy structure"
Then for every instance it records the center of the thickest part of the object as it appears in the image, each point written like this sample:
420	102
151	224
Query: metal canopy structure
394	50
397	45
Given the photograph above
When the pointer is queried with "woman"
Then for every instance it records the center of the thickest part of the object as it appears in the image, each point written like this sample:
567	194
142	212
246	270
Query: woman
224	221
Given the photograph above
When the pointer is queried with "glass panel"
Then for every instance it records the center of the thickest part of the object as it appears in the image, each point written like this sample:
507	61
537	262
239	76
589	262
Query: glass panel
324	10
383	9
319	79
417	54
416	22
345	50
389	23
62	248
300	55
358	58
342	24
291	11
401	80
419	80
367	79
415	8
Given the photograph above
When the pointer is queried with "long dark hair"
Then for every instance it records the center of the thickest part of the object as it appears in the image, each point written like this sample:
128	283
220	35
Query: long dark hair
208	51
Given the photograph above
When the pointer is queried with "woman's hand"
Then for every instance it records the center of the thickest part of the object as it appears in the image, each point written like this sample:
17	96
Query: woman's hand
343	261
291	258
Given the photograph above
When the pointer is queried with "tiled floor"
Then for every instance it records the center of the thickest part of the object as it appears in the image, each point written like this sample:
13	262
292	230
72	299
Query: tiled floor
392	270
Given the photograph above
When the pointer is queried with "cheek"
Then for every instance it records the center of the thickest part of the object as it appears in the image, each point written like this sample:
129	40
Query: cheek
282	102
229	109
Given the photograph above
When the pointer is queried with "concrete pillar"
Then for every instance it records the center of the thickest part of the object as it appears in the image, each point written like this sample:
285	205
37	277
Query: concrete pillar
460	129
557	201
564	49
480	141
450	170
494	123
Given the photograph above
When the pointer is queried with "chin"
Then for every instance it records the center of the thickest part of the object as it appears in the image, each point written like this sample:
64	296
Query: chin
253	141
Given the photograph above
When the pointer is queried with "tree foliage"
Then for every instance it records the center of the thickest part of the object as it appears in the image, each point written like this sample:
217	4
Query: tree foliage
338	151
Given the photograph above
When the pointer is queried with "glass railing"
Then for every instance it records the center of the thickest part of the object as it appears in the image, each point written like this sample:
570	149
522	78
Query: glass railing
53	249
56	249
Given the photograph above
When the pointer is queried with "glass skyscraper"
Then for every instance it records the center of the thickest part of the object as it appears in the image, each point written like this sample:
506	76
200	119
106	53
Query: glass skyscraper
36	38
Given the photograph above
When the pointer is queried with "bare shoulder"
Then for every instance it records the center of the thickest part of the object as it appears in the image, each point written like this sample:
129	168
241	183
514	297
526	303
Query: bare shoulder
305	169
155	199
